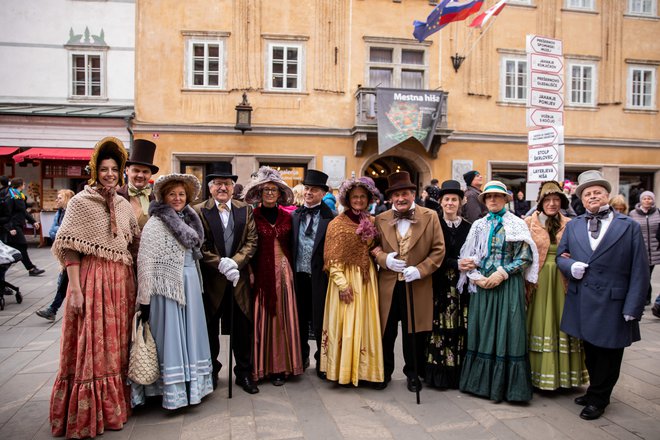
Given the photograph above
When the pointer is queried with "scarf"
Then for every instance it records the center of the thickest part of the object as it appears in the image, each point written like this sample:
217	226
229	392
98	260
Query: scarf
594	219
165	239
344	245
142	195
16	193
477	247
495	221
87	227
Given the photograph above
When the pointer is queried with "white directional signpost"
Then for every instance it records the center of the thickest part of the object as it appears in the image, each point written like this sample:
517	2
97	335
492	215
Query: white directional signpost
545	111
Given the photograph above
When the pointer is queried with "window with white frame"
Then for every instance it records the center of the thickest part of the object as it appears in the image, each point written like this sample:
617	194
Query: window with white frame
87	74
582	84
205	63
285	66
520	2
397	66
642	7
584	5
514	79
641	87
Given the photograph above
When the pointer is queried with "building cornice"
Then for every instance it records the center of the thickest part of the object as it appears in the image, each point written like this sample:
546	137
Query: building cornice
568	140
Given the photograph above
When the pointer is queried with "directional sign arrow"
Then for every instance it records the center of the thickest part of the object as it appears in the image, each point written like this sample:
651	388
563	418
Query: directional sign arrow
542	173
546	63
547	81
547	154
545	99
544	136
544	45
538	117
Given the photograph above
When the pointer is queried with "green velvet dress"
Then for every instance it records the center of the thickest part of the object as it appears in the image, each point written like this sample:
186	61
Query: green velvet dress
556	359
496	364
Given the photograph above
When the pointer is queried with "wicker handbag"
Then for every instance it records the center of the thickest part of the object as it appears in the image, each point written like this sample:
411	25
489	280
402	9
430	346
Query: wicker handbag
143	361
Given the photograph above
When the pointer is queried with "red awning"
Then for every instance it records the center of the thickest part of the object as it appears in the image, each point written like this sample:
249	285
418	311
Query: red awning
6	151
54	154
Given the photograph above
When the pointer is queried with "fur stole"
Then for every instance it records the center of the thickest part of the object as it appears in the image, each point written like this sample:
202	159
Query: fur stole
187	229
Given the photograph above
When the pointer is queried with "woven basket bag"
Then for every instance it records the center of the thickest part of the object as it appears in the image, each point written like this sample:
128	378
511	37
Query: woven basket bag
143	366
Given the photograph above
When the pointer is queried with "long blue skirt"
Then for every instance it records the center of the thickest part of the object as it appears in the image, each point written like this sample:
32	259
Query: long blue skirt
183	347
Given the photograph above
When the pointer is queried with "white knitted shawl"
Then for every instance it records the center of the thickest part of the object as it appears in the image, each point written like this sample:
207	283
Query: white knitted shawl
86	228
161	256
476	247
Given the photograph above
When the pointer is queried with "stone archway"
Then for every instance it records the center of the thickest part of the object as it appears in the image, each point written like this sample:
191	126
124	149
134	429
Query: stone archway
416	164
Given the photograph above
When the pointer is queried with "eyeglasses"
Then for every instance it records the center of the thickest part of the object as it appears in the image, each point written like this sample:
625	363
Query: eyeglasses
221	184
270	190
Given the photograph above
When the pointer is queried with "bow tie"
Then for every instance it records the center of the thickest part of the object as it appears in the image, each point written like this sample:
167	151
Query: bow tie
408	215
309	231
305	210
134	192
595	220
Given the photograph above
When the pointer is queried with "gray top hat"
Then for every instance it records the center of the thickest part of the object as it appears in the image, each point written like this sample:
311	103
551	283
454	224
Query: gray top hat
591	178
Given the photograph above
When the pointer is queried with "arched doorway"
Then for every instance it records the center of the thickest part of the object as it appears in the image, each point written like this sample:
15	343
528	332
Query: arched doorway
378	167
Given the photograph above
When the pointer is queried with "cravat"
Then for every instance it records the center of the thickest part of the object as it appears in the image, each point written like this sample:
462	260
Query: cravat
303	215
223	207
142	195
595	220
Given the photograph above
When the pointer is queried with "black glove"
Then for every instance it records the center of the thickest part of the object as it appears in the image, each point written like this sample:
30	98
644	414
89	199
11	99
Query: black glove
144	312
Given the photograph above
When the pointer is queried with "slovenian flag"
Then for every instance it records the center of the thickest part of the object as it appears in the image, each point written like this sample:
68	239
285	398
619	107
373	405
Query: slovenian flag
489	13
446	12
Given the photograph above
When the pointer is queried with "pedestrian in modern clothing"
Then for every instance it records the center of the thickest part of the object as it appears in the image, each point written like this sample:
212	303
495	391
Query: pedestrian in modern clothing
230	241
310	223
5	213
648	217
619	204
432	198
170	295
139	169
330	200
412	249
96	242
520	205
49	313
556	359
473	209
276	348
497	257
448	339
351	349
602	255
18	216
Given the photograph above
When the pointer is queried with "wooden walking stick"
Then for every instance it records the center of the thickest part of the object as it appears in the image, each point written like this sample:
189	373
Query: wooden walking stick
412	322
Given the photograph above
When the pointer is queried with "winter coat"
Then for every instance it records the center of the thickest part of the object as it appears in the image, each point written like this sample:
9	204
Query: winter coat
650	223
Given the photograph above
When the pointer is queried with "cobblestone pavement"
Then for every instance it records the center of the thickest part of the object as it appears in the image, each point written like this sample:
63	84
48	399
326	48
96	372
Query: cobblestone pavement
307	407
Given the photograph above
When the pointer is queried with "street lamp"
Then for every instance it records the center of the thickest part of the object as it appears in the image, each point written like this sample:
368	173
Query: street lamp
243	115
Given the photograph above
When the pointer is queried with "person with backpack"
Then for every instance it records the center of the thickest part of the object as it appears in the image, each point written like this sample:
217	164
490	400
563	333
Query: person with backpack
18	215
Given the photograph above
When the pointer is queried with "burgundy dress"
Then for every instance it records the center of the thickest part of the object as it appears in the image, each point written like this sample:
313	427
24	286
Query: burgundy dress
276	346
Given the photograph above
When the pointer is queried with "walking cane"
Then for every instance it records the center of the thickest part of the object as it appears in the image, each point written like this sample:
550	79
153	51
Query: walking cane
231	333
412	321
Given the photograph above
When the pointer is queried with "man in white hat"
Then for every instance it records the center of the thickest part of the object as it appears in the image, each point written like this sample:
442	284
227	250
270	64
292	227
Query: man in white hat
602	255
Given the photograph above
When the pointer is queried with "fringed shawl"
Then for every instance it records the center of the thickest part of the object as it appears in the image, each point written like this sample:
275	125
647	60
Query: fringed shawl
163	244
344	245
476	247
86	228
264	259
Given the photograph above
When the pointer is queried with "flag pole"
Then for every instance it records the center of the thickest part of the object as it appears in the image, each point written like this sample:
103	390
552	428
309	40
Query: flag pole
482	34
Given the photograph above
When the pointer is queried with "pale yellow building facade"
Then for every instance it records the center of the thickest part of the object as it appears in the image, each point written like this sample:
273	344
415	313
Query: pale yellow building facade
310	68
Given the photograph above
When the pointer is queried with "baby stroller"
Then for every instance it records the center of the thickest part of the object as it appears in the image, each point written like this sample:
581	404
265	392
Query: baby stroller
8	256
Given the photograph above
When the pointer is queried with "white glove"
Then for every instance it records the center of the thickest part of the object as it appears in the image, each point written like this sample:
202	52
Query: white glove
233	276
393	264
577	269
628	318
226	264
411	273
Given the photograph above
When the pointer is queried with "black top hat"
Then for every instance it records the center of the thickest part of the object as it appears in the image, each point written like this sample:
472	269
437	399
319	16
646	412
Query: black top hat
316	178
399	181
451	187
142	153
220	169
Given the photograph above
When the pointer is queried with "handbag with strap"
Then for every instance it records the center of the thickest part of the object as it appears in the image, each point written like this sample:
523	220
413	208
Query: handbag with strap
143	366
